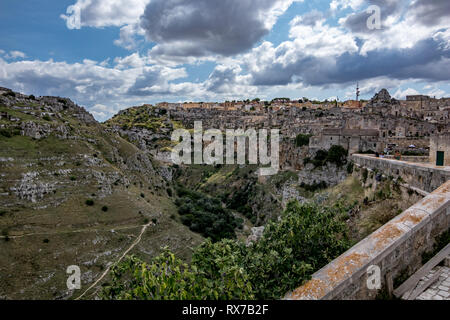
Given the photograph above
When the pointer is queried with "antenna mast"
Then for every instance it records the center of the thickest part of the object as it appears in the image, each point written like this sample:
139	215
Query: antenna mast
357	91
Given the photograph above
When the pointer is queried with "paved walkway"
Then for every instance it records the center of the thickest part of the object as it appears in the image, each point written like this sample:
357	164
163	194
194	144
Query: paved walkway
440	290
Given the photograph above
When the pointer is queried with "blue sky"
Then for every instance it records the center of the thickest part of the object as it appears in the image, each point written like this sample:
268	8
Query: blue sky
111	54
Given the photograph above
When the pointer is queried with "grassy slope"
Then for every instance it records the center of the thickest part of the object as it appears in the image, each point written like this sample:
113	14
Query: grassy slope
61	230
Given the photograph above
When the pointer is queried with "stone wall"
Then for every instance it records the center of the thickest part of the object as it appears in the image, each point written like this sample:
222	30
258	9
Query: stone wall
394	248
423	176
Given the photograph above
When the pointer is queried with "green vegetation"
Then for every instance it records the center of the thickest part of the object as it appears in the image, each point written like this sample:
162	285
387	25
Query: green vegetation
10	94
302	140
89	202
9	133
365	175
239	200
350	167
336	154
169	278
206	215
314	187
306	238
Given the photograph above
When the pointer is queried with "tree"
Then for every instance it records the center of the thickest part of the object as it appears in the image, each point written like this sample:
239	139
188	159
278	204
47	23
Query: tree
302	140
305	239
337	155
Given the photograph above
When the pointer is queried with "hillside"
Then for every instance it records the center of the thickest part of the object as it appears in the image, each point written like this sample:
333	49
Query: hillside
74	193
77	192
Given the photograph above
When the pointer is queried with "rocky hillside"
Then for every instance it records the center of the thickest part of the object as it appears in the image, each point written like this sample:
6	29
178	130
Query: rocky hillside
74	193
77	192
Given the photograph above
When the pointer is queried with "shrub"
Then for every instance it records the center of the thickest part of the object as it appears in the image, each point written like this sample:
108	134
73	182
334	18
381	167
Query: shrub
169	192
142	195
169	278
72	178
337	155
314	187
205	215
90	202
365	174
46	241
305	239
302	140
10	94
46	118
6	133
104	208
350	167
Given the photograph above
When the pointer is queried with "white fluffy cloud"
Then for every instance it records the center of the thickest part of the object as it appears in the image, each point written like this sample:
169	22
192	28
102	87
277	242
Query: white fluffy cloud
317	53
13	55
104	13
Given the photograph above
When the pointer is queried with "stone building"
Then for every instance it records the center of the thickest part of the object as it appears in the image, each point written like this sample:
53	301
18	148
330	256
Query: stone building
354	140
417	98
440	149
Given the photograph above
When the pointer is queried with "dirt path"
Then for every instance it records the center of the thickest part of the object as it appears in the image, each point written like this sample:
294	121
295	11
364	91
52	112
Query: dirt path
138	239
69	231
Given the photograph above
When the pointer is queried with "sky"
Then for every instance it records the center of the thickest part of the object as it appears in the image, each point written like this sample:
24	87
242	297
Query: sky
107	55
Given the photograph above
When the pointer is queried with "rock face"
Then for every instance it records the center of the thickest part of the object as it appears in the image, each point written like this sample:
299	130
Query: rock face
31	190
36	130
290	192
330	174
86	155
257	233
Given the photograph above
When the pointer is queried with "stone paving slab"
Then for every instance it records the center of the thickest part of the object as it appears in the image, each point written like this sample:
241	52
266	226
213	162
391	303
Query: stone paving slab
440	290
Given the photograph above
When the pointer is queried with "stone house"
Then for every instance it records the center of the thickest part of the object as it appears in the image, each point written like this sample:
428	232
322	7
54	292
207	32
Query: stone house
354	140
440	149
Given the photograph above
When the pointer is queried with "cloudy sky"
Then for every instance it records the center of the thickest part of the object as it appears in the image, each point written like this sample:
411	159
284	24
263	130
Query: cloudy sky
111	54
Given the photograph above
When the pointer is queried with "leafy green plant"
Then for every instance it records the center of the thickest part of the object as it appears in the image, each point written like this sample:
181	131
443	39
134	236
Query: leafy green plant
168	278
206	215
302	140
305	239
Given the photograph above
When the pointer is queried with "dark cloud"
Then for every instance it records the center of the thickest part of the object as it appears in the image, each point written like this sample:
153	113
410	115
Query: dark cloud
357	22
431	12
426	60
203	27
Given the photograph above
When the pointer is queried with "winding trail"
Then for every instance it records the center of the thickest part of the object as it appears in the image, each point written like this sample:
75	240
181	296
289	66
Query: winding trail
138	239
